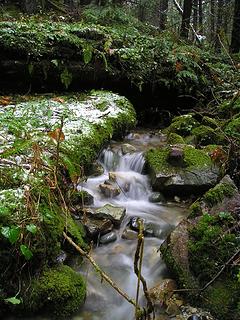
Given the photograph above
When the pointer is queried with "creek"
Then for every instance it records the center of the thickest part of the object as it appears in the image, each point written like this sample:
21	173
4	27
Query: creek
117	258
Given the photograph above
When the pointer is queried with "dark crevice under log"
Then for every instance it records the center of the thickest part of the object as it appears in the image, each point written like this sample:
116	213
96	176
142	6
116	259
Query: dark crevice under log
150	102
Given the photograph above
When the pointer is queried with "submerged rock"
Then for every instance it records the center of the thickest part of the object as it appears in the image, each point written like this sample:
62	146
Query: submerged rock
113	213
129	234
109	237
128	148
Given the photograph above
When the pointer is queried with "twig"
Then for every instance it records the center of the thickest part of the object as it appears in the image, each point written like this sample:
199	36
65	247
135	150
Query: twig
98	269
137	269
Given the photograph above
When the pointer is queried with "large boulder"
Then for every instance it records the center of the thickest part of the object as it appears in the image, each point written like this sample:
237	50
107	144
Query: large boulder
181	170
196	251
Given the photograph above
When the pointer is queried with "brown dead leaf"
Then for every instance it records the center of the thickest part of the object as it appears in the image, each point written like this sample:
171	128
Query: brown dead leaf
4	101
179	66
58	99
56	135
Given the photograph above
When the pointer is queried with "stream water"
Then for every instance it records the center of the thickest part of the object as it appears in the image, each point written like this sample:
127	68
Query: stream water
117	258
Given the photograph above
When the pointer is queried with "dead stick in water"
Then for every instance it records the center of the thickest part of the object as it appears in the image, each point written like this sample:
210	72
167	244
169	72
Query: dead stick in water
138	259
98	269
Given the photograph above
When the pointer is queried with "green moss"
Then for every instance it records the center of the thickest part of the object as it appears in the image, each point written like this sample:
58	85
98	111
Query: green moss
210	122
59	291
182	125
233	128
195	209
205	135
174	138
193	158
205	260
218	193
157	159
222	298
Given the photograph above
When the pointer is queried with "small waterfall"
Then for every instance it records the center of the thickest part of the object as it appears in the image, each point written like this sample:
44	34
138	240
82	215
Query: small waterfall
134	162
125	172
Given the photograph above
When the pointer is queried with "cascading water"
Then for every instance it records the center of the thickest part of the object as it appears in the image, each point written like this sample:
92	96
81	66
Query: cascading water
117	258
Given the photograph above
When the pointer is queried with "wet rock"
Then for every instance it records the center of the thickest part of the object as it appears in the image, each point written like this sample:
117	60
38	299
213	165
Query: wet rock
109	190
134	223
61	257
109	237
128	148
156	230
156	197
94	227
163	291
129	234
113	213
81	198
97	169
194	317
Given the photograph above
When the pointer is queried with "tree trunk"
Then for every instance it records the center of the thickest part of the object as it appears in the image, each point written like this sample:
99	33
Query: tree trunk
187	9
163	8
219	25
235	43
212	21
195	14
31	6
200	15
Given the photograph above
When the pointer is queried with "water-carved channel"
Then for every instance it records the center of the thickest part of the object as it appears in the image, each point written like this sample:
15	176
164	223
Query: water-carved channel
117	257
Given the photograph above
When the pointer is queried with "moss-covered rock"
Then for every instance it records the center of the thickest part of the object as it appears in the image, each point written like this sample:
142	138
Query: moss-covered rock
174	138
196	173
205	135
58	291
182	125
225	189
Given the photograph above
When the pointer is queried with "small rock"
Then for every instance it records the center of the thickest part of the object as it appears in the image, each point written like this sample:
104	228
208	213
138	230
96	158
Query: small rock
134	223
128	148
94	227
61	257
81	198
109	190
177	199
109	237
129	234
115	214
156	197
163	291
176	157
